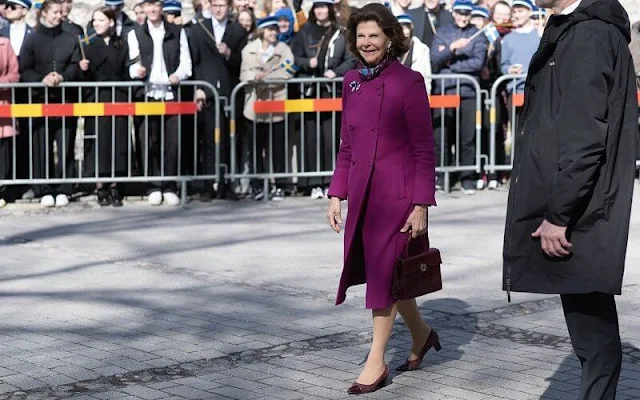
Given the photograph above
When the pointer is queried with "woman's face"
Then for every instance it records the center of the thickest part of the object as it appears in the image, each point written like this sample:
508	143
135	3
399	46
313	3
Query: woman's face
244	19
53	14
283	25
270	34
406	29
102	24
140	15
278	5
371	42
321	12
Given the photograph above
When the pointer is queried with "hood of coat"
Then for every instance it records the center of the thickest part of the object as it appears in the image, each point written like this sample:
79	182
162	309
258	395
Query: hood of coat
609	11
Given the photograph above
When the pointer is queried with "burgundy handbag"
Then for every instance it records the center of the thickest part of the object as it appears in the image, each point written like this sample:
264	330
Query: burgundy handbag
416	275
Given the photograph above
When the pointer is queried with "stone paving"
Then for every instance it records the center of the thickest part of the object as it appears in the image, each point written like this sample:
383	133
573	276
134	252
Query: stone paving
235	301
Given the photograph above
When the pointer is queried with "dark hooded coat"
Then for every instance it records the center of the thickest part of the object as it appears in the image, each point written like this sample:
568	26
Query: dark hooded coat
575	155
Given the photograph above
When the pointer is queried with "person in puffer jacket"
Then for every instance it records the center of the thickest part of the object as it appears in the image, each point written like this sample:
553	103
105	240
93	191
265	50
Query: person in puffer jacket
286	23
455	50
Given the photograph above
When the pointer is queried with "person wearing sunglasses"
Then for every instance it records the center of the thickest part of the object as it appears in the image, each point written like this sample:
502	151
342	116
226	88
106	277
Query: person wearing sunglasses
16	13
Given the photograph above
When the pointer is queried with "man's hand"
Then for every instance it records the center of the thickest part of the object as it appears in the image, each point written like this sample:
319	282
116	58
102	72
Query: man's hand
49	80
174	80
459	44
329	74
224	49
313	62
553	239
200	98
142	72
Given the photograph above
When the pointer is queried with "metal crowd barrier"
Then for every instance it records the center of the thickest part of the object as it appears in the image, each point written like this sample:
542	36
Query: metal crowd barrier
517	101
306	100
32	108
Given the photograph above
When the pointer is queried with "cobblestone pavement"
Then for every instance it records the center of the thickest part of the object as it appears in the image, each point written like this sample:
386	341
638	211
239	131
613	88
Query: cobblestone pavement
235	301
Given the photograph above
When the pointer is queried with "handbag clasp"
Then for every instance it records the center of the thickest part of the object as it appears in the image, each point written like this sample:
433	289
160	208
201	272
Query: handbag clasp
423	267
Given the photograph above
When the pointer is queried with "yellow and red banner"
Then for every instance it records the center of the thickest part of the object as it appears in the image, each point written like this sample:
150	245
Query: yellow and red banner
97	109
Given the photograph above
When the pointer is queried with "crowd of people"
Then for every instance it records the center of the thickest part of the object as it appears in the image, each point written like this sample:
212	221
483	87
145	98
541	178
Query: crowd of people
226	43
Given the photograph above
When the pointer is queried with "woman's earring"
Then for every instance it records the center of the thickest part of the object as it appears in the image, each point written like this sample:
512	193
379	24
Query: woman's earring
389	45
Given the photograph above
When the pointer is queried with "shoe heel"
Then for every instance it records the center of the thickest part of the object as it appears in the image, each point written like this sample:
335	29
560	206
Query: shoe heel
437	346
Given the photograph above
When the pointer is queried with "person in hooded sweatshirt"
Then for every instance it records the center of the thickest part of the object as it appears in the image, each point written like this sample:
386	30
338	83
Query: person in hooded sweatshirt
572	183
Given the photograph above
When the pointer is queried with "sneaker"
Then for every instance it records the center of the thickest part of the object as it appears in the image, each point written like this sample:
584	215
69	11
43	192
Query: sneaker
114	196
62	200
102	196
468	187
317	193
278	195
171	198
325	193
439	184
155	198
480	184
28	195
48	201
258	194
3	203
493	184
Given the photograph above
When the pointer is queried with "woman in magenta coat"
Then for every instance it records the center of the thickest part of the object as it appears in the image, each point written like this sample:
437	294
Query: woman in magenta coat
386	172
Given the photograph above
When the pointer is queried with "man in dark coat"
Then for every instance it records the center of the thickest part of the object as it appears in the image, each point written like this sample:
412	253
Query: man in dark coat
428	20
216	44
572	183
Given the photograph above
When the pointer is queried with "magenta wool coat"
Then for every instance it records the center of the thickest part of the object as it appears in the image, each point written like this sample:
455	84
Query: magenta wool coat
385	166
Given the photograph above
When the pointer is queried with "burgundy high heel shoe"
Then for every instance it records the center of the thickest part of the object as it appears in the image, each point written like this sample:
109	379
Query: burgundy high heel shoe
359	388
432	341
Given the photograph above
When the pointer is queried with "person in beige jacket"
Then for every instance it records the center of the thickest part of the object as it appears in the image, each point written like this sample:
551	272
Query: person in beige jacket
266	59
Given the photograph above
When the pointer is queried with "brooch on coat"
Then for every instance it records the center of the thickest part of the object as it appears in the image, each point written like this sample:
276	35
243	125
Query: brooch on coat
354	85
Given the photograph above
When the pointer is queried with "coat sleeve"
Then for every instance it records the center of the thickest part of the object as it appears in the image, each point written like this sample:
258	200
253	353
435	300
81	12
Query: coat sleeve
73	71
440	52
472	58
299	51
338	186
248	68
235	59
505	57
12	72
418	119
582	131
348	61
27	62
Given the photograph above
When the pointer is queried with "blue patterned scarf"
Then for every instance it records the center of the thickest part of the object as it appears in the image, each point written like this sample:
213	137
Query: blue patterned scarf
368	73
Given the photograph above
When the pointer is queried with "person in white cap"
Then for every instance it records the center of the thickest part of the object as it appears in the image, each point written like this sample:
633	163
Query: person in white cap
16	13
418	58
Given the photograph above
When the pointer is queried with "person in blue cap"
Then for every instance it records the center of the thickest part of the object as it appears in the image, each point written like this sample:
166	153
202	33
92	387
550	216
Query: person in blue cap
454	52
320	50
480	17
262	59
427	20
17	30
123	23
172	10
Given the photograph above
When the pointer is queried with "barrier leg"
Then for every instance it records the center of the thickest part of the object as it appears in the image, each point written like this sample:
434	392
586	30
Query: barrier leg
183	193
265	189
447	182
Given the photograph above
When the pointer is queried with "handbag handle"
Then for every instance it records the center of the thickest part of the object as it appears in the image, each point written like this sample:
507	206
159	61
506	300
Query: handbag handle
405	253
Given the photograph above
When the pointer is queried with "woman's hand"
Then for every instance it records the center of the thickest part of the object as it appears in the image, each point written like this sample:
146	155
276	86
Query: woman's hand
84	65
334	214
329	74
417	221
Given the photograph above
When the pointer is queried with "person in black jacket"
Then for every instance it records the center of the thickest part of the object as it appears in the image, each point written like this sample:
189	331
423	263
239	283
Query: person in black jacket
217	55
67	24
106	60
573	180
163	72
320	50
428	20
51	56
